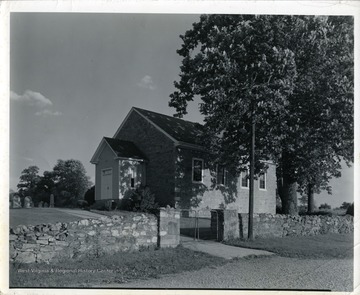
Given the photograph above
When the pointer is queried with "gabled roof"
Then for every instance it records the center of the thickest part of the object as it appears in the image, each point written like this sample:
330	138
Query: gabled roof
179	129
120	148
181	132
124	149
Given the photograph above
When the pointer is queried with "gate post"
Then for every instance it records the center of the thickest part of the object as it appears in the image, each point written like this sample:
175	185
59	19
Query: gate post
226	222
169	227
231	224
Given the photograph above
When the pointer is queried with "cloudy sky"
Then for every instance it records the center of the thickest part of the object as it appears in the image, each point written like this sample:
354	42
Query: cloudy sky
74	77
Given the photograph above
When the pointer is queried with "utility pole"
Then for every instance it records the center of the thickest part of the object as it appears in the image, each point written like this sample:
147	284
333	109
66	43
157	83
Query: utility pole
252	168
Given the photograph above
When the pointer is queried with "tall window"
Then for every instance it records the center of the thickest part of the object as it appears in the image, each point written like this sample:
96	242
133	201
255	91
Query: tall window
262	181
197	170
221	175
245	179
133	176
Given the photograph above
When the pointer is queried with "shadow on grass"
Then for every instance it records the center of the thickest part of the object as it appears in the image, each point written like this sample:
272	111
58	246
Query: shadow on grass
312	247
116	269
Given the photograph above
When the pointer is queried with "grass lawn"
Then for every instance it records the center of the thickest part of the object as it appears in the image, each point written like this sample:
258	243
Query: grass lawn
320	246
35	216
117	268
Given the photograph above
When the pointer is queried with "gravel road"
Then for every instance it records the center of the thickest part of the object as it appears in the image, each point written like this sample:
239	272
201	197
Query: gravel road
262	273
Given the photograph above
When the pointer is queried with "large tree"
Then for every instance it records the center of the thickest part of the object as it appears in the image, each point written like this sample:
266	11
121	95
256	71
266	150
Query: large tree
71	182
321	104
46	187
29	180
294	73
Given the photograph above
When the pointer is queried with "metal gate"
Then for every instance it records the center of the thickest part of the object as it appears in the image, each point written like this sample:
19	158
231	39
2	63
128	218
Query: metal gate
199	224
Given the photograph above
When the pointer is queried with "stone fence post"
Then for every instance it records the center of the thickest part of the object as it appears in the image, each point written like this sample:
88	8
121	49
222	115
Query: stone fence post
231	224
227	223
169	227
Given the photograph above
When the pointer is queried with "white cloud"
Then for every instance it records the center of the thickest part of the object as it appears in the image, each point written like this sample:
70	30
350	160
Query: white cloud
47	112
29	159
147	83
31	98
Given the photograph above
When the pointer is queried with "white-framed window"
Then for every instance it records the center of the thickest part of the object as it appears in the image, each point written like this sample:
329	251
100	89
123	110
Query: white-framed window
244	179
133	176
262	181
197	170
221	174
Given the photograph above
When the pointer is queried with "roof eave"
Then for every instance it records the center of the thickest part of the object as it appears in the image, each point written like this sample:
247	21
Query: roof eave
94	159
131	159
189	145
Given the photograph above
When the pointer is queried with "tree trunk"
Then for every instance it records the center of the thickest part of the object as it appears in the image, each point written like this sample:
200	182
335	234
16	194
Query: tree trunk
290	196
288	186
311	203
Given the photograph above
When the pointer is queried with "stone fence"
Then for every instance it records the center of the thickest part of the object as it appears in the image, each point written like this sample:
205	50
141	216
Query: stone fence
233	225
280	225
94	237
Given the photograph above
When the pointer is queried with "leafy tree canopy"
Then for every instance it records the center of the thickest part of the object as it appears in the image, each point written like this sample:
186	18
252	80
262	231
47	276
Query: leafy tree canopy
345	205
70	180
29	179
294	72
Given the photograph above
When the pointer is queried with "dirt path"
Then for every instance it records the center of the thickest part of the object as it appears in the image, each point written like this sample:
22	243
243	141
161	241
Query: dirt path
262	273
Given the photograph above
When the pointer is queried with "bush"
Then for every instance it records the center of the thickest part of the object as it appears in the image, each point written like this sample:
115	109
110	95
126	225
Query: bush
90	195
140	200
82	204
323	213
350	210
345	205
325	206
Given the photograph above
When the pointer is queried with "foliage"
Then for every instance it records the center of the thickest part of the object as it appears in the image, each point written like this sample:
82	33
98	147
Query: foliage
350	210
140	199
345	205
90	195
71	182
325	206
293	73
68	182
11	195
45	187
83	204
29	180
318	213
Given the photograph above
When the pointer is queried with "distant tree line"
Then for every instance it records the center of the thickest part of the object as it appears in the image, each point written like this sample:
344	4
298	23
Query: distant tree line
67	181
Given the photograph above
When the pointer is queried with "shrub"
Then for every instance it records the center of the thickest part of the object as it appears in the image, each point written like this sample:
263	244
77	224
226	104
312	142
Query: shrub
350	210
345	205
140	199
82	204
323	213
90	195
325	206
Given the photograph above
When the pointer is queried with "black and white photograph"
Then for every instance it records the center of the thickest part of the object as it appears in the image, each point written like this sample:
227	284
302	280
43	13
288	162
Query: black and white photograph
182	151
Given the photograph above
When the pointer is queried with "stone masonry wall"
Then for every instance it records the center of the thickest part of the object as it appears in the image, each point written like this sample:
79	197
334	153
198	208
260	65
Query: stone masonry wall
277	225
90	237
